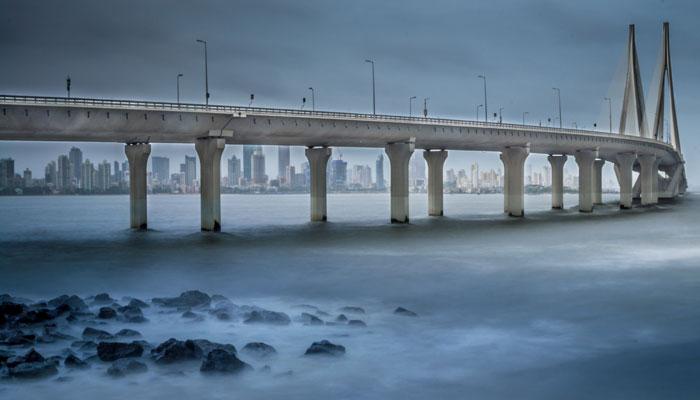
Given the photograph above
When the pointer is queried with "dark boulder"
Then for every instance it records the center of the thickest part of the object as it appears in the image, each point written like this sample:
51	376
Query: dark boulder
173	350
74	302
72	361
259	350
84	345
310	319
30	365
106	313
326	348
267	317
191	315
112	351
358	323
10	309
404	312
19	338
215	298
92	333
4	355
36	316
103	298
138	303
203	347
125	367
222	362
188	299
51	330
352	310
127	333
341	318
132	314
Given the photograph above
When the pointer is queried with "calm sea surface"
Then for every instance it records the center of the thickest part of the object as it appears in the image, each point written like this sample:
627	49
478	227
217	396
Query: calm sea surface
556	305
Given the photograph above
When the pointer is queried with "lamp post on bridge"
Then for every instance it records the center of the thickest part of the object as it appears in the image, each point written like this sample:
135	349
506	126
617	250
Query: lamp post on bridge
609	112
374	99
313	99
477	111
524	114
410	105
486	103
500	115
425	107
559	101
178	88
68	85
206	72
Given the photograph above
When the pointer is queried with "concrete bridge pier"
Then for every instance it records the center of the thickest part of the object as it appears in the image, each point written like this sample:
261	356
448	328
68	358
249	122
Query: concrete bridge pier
318	162
514	183
209	151
557	164
399	156
649	176
623	169
598	181
585	160
137	154
436	161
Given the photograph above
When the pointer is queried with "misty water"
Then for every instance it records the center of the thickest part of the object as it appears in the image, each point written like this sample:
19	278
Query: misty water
558	304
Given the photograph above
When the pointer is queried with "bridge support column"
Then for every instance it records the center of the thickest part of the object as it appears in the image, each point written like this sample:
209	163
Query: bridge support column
623	167
585	160
649	176
598	181
209	151
137	154
514	183
557	165
318	161
436	161
399	156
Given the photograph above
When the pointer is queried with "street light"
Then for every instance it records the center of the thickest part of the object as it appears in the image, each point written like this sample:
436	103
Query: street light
477	111
500	115
425	107
374	99
68	85
559	101
609	112
206	71
252	97
486	103
524	114
410	105
178	87
313	99
303	102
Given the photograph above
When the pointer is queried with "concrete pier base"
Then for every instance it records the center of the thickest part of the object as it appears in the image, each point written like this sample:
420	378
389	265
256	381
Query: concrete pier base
514	179
623	170
585	160
649	176
399	156
557	162
436	161
209	151
598	181
137	154
318	161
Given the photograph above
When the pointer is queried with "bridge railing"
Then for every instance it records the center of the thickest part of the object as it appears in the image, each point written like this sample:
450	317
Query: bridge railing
169	106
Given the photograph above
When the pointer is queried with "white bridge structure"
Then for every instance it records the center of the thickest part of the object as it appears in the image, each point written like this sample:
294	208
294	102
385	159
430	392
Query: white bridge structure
636	147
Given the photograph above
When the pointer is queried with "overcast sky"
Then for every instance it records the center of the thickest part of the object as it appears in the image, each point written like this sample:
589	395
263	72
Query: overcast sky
277	49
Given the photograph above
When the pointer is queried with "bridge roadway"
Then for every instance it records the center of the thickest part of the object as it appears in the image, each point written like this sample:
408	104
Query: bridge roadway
138	123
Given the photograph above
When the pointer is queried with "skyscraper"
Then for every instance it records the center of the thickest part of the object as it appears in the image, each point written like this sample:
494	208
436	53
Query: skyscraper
63	177
50	173
282	164
7	173
27	178
475	177
234	171
88	173
190	172
379	170
104	176
416	172
248	150
258	164
339	174
160	166
75	155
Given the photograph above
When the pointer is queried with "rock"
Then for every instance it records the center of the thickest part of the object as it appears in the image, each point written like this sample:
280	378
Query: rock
112	351
189	299
215	298
36	316
132	314
4	355
19	338
357	323
30	365
173	350
324	347
106	313
92	333
267	317
190	315
322	313
204	347
138	303
10	309
341	318
223	362
125	367
84	345
128	333
74	302
310	319
352	310
73	361
103	298
222	315
51	330
404	312
259	350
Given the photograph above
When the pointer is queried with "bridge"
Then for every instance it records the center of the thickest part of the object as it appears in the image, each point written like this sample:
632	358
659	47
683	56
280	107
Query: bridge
137	124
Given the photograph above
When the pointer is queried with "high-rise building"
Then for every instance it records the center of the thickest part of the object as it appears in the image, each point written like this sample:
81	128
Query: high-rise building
416	172
190	171
234	171
75	155
258	164
282	164
290	177
248	150
475	177
7	173
118	176
63	177
339	174
379	171
104	176
50	174
27	178
160	167
361	176
88	173
547	175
